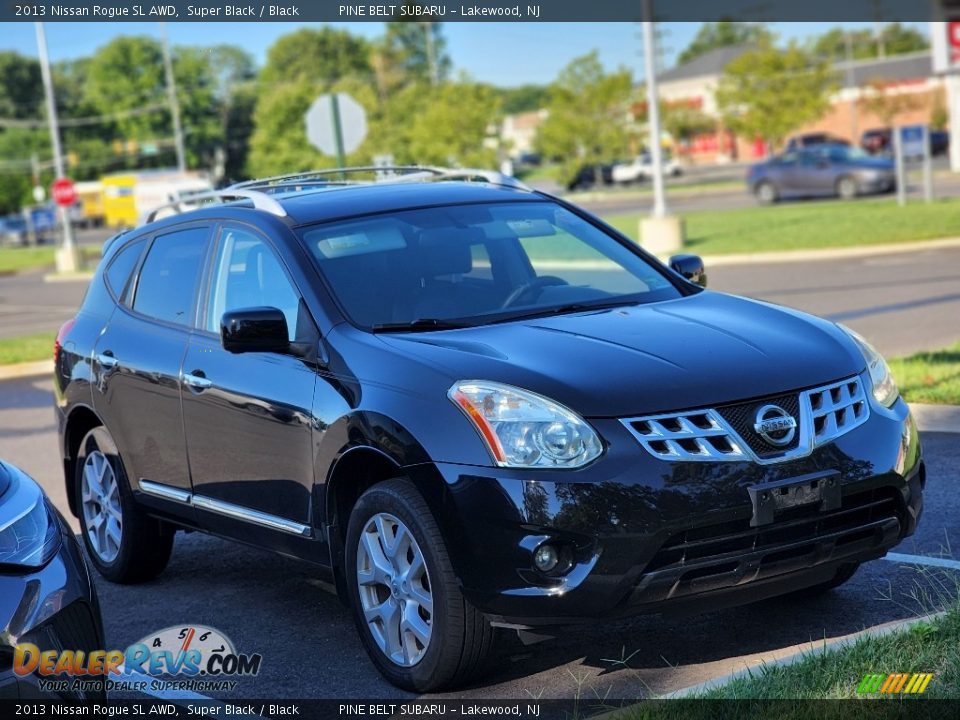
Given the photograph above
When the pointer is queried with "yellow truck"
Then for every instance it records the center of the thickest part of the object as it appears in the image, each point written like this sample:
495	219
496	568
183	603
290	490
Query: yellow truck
129	196
90	200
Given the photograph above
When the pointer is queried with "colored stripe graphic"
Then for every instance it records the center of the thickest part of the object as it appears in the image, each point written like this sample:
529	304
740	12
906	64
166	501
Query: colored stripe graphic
893	683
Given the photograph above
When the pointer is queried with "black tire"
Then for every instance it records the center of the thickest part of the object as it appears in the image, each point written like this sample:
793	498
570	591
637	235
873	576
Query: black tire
766	192
847	188
461	638
145	542
844	573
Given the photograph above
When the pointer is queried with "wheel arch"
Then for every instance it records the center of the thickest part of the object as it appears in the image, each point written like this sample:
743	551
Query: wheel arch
81	420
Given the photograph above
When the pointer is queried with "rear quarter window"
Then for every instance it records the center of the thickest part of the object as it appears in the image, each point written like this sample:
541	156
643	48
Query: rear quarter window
170	275
122	266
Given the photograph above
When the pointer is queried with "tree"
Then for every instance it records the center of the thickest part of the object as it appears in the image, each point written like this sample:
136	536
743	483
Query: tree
21	87
684	122
523	98
895	39
768	92
420	48
587	117
321	56
882	99
711	36
452	127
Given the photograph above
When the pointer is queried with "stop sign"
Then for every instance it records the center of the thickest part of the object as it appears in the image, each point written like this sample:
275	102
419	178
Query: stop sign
63	191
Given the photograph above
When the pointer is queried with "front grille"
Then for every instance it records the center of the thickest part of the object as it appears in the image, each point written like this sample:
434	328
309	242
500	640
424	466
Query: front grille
836	409
742	417
727	432
731	553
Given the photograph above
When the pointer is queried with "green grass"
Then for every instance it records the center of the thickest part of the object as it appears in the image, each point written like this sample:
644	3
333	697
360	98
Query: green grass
929	377
810	225
931	647
26	348
20	259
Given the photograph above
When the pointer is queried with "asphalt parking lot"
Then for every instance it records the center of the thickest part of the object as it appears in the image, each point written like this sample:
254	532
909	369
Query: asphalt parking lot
276	607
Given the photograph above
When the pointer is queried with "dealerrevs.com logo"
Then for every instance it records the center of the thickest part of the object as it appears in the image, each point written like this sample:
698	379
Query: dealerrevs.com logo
181	657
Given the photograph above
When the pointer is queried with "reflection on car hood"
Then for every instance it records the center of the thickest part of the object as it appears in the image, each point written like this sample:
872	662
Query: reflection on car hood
697	351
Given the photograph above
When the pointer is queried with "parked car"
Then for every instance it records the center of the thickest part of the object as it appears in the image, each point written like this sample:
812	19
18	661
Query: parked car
13	230
825	170
590	176
641	168
47	597
398	383
939	142
808	140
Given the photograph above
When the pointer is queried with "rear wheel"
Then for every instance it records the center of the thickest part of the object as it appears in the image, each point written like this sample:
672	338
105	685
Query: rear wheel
766	192
125	544
417	627
847	188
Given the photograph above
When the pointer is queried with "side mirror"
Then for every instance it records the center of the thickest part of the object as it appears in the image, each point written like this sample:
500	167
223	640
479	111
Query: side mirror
690	267
258	329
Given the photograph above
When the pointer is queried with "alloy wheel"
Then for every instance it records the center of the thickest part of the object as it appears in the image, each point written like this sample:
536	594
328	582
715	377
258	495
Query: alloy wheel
394	587
100	500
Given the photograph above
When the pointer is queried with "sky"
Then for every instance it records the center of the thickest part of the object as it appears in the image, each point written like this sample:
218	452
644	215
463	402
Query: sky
504	54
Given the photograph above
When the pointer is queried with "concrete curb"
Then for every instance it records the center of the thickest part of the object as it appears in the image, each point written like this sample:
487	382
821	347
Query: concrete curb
79	276
26	369
936	418
806	650
829	253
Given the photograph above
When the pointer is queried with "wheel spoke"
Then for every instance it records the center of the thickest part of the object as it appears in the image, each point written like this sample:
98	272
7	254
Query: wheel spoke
422	597
379	571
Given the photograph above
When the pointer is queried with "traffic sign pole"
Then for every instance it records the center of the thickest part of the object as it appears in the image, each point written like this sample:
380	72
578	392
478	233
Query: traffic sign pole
337	129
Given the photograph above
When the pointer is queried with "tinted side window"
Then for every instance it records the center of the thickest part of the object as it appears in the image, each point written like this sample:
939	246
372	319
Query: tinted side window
248	274
170	275
123	265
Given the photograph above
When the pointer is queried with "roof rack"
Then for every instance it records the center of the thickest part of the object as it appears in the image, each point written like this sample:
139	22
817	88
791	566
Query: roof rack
258	191
407	173
261	201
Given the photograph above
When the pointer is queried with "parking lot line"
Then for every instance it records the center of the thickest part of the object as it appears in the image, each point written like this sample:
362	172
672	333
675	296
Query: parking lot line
923	560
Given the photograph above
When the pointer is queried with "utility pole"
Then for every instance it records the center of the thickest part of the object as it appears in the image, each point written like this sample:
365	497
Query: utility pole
172	95
660	233
68	259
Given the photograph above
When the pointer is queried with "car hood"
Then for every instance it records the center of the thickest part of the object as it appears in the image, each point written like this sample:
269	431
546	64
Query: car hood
701	350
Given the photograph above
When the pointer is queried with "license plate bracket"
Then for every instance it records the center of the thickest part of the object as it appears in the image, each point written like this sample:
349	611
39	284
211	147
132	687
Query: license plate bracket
769	499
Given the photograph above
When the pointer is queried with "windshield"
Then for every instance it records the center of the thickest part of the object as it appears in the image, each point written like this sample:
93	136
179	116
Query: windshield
475	264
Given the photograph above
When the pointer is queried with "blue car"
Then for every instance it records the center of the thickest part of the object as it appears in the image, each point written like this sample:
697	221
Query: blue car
821	170
472	406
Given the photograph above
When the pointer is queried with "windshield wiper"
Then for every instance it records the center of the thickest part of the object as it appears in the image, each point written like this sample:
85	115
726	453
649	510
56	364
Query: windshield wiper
418	325
567	309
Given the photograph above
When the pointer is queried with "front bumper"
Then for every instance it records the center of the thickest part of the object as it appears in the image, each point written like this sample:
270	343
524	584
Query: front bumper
54	608
648	535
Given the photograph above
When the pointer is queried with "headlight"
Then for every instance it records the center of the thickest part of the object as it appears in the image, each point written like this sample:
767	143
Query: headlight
29	532
884	389
523	429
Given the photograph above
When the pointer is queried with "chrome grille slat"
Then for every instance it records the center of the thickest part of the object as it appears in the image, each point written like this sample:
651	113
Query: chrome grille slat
827	412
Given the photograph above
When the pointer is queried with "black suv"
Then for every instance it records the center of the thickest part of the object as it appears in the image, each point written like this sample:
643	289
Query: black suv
470	405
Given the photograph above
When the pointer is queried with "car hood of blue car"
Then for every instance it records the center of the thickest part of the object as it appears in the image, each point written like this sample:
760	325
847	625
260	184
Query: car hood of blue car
698	351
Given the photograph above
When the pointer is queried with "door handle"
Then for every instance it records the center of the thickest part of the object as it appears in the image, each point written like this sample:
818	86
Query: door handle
107	360
197	380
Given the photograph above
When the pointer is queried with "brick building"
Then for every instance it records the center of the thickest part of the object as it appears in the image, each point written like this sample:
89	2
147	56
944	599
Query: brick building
907	80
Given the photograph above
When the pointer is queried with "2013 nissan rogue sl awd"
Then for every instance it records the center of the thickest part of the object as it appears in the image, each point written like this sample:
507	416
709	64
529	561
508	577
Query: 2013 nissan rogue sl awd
470	405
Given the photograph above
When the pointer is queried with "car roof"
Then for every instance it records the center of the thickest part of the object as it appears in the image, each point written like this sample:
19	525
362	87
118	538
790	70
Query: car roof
321	205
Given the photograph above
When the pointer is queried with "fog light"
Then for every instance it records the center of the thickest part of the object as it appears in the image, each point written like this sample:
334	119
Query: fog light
545	558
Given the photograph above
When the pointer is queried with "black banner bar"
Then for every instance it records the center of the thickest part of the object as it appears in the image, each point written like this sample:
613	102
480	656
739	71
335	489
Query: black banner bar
480	11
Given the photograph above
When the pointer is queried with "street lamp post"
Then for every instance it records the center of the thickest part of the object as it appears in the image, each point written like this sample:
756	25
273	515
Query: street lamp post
67	257
172	97
661	233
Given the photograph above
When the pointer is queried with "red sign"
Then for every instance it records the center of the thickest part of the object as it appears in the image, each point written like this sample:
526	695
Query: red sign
63	191
953	40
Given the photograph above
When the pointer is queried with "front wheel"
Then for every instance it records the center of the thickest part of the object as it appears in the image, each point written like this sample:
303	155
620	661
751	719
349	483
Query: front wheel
766	192
125	544
417	627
